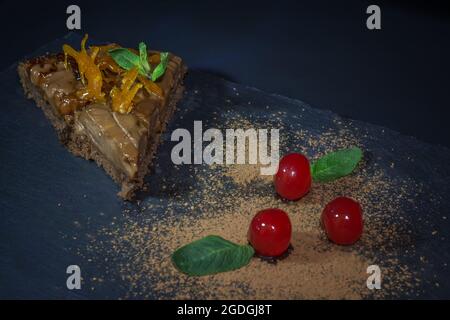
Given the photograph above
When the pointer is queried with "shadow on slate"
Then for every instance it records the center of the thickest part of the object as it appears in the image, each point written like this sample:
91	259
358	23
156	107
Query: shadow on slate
52	203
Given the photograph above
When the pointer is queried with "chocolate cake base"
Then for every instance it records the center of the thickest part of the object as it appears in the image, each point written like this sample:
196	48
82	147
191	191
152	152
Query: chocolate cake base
82	146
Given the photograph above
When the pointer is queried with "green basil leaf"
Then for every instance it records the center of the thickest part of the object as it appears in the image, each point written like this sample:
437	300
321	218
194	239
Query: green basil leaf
336	164
211	254
125	58
161	67
143	58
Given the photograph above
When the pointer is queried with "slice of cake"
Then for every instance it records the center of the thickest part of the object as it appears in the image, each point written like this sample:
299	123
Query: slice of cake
108	103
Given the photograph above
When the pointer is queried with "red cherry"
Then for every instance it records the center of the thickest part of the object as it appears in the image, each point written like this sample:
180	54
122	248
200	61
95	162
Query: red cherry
293	178
342	220
270	232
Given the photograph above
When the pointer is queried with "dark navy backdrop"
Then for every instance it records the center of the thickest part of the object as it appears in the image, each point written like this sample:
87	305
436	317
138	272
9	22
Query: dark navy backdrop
317	51
53	205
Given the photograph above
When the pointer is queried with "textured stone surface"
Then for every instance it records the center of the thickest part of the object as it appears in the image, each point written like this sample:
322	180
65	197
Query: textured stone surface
52	203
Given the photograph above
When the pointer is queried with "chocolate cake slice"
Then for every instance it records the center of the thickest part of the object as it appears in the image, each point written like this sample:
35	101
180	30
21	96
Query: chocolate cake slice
108	104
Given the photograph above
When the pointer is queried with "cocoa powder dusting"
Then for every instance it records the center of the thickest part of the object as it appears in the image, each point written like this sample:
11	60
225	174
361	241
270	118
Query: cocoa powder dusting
223	201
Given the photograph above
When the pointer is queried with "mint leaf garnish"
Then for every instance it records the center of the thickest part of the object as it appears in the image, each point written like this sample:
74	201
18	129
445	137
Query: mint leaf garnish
125	58
161	67
128	60
143	58
336	164
211	254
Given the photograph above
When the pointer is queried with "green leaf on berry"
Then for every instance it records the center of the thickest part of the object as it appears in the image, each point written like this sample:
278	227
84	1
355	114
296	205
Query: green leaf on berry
211	254
336	164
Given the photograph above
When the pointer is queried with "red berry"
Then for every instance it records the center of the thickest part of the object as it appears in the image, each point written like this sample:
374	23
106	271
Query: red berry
293	178
342	220
270	232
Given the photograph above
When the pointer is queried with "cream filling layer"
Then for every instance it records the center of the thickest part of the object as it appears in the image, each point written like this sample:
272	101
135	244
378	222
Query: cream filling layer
117	136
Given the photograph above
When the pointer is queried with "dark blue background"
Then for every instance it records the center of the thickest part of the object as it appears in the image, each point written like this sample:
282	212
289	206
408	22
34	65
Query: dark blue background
318	51
54	206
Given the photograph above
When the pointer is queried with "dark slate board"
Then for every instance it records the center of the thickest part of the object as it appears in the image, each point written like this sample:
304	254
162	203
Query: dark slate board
44	189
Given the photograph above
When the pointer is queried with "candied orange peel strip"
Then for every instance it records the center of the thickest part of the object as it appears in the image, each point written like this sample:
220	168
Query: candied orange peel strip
104	60
122	99
88	71
150	86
